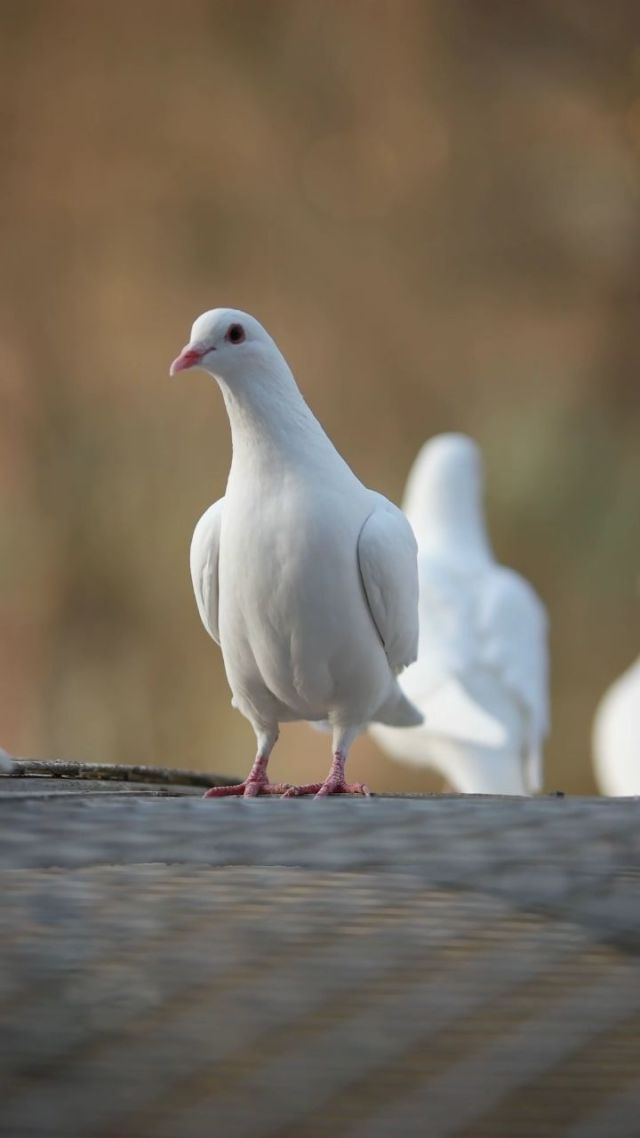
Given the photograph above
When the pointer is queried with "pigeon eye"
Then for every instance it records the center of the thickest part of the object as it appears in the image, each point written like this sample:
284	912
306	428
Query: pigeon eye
235	334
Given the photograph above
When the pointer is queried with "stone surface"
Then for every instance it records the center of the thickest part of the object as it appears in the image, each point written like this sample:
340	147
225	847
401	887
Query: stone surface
174	968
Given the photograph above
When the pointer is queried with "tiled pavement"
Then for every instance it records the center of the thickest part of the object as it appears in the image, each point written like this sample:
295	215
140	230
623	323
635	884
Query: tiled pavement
175	968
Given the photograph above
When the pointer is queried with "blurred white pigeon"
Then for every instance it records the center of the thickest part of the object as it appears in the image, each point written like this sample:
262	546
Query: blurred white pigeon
481	675
616	736
6	762
305	578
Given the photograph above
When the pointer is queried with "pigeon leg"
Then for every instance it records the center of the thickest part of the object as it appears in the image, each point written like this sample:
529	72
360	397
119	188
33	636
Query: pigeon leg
257	781
334	783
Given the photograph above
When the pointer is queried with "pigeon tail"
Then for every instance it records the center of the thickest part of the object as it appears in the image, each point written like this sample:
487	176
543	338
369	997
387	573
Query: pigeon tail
398	711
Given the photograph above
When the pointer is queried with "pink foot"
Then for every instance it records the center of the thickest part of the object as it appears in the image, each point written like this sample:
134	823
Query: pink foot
342	787
250	788
324	789
257	781
334	783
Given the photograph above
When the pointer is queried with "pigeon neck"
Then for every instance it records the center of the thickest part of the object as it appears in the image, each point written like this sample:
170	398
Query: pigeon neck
270	420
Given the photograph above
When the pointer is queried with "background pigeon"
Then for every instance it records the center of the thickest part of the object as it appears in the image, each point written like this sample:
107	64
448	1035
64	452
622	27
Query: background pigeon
481	674
306	579
616	736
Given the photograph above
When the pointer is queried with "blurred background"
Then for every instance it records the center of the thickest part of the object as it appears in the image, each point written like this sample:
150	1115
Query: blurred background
434	208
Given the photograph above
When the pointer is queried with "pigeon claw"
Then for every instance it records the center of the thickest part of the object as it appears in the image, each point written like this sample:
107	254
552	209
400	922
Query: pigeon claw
329	786
250	788
343	788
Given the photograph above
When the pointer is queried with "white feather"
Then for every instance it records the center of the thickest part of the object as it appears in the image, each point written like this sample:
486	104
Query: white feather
616	736
306	578
481	675
387	554
203	560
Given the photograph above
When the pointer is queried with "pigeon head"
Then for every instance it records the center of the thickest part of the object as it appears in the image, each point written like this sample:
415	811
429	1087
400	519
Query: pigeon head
445	490
225	342
448	468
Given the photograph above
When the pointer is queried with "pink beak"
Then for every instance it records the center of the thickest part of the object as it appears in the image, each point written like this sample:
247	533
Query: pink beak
189	357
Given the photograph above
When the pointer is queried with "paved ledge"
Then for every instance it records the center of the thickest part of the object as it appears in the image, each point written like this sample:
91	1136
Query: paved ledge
180	968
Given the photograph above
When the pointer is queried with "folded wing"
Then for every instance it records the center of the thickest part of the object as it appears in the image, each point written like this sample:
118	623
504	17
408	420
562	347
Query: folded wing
514	626
387	557
203	559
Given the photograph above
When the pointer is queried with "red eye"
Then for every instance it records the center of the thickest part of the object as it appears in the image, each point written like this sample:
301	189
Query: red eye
235	334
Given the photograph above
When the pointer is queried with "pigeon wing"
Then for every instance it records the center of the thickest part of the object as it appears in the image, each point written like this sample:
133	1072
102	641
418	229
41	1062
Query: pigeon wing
514	622
450	652
203	559
387	558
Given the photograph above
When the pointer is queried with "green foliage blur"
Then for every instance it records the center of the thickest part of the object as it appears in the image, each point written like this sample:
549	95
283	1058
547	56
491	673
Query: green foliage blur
433	205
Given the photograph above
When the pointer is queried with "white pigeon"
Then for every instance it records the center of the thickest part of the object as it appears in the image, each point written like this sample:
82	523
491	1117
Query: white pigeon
481	675
616	736
305	578
6	762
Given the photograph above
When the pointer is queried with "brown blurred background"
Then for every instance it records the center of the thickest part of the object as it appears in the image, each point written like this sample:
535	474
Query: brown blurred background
433	205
